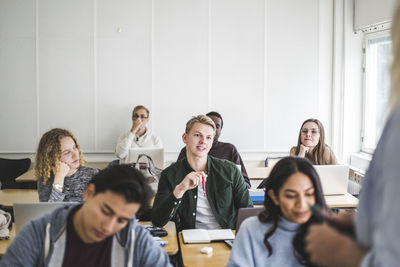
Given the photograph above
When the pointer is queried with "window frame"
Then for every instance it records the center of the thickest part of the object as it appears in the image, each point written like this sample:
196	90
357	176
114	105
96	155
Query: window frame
368	36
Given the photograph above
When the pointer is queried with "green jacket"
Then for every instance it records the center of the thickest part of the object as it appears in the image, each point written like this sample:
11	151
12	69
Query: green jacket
226	193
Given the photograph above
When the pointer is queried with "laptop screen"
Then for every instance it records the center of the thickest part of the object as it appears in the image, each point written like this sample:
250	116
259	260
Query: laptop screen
26	212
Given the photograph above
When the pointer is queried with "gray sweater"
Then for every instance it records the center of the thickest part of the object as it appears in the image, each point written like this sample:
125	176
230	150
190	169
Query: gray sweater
249	249
74	186
378	219
42	243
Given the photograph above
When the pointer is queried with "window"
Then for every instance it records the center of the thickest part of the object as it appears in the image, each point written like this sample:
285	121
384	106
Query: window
377	48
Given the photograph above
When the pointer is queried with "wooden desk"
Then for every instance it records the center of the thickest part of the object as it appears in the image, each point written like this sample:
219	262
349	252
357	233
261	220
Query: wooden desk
5	243
172	247
341	201
191	255
28	176
9	196
258	173
337	201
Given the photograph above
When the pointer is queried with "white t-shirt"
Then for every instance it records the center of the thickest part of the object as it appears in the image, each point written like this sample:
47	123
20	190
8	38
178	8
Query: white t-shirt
205	219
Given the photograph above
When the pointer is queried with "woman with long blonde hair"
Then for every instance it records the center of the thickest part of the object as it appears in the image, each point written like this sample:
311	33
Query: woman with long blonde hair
59	167
311	144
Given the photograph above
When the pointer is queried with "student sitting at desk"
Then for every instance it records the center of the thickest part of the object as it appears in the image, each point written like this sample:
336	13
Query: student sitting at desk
275	236
222	150
200	191
101	232
59	167
139	135
311	144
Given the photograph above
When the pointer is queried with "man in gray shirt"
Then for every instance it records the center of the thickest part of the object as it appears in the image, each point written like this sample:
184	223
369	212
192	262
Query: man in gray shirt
100	232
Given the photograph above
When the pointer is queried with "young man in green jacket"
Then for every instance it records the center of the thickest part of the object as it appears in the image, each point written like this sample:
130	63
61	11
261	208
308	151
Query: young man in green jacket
200	191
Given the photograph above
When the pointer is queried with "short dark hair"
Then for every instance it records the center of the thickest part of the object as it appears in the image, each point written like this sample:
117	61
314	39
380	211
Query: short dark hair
126	181
216	114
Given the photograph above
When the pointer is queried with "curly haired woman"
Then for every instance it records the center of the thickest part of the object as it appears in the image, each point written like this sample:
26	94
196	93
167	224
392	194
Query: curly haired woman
59	167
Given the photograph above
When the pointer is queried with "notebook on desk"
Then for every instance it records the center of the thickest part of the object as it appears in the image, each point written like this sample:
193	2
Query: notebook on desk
156	154
206	236
334	178
26	212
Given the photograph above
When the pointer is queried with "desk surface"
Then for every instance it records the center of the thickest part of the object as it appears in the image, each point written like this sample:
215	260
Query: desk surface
337	201
258	173
191	255
172	247
341	201
28	176
9	196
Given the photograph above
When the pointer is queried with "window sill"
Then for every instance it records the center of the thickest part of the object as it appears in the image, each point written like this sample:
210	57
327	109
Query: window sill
360	161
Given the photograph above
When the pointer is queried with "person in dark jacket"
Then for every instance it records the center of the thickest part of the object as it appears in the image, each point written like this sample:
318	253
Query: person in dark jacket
200	191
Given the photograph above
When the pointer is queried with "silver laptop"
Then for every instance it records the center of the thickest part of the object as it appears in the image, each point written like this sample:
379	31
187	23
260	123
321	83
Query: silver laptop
156	154
26	212
334	178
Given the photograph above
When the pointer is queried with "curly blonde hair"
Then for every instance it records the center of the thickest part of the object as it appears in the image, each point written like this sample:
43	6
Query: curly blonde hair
49	153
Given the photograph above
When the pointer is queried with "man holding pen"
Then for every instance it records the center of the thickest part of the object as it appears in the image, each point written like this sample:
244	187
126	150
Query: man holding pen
200	191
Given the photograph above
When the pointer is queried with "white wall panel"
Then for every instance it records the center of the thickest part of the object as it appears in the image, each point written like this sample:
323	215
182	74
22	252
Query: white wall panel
66	93
237	74
17	76
123	62
180	66
257	62
292	69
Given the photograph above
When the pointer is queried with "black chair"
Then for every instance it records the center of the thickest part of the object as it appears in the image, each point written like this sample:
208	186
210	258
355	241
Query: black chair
11	169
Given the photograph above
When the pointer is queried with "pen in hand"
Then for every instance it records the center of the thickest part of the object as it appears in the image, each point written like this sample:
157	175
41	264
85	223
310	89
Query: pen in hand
204	186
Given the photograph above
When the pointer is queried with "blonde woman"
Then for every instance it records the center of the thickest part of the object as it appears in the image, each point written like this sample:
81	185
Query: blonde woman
59	167
377	221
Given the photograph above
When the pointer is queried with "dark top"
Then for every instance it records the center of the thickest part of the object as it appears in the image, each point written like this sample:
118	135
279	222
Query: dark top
226	151
226	193
78	253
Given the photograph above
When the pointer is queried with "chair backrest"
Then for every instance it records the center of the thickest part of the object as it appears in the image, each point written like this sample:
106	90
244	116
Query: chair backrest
244	213
11	169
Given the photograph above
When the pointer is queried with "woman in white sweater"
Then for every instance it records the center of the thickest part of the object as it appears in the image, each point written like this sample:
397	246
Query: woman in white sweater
275	237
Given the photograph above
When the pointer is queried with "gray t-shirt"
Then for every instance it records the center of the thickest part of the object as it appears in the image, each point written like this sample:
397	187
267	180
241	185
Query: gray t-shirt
74	186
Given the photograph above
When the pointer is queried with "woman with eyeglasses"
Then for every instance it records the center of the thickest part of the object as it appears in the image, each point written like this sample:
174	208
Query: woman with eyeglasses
311	144
59	168
276	236
138	135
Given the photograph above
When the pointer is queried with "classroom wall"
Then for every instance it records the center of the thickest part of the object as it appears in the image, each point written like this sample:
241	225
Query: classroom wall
265	65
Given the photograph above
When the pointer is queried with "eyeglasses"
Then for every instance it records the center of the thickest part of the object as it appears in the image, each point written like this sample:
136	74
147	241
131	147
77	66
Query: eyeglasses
306	131
135	116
